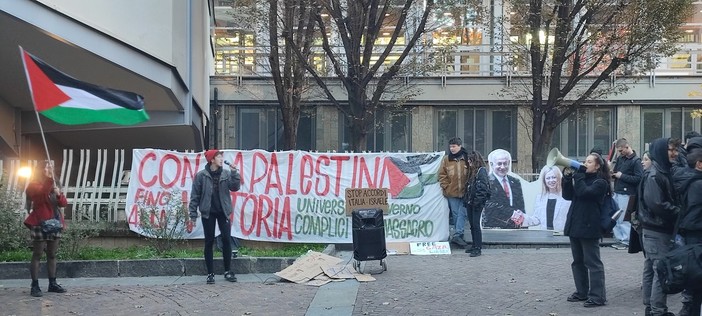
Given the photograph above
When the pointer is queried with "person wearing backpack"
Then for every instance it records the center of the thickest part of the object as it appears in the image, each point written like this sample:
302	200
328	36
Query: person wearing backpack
658	211
587	188
685	181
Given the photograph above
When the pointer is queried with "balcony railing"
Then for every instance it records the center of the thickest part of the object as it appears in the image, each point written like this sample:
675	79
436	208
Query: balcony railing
463	61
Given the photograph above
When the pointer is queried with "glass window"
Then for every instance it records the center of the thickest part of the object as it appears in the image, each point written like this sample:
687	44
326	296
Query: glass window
585	130
652	126
671	122
262	128
391	132
447	127
480	129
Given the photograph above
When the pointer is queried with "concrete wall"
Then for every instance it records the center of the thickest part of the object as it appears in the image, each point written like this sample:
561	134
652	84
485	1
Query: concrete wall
422	121
8	130
629	125
158	27
148	25
327	132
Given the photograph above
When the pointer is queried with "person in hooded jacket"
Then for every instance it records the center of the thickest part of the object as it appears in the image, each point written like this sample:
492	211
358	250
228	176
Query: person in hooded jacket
658	210
210	195
686	181
586	189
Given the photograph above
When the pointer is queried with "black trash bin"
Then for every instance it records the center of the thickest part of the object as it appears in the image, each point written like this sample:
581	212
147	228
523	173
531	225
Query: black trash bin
368	230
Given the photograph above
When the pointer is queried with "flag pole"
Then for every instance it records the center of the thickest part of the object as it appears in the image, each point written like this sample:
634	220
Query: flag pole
41	128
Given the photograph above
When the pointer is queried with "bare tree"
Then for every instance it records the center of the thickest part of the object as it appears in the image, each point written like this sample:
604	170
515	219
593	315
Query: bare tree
573	46
294	24
361	61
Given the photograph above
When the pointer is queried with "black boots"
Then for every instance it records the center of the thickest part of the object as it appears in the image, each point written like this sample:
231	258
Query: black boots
474	252
35	290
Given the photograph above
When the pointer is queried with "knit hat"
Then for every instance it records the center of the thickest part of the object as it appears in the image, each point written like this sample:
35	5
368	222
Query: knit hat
211	154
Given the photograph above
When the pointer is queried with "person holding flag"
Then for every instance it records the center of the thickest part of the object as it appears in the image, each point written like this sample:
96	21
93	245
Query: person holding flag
45	198
68	101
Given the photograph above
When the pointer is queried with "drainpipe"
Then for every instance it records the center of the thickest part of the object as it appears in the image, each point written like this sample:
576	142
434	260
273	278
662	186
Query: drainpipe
213	118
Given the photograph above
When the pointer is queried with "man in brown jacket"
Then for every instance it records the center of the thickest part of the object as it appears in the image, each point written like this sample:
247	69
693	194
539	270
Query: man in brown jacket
453	175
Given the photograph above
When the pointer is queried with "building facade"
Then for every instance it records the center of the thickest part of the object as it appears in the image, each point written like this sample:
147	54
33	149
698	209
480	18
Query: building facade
468	96
159	49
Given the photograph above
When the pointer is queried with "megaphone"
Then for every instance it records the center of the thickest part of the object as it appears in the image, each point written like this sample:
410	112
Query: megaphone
555	158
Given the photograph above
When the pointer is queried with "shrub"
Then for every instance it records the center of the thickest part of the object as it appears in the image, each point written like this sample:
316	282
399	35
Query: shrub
13	233
75	236
164	225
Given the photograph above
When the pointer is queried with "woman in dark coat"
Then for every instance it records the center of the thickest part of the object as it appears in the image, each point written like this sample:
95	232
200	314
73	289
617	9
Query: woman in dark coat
477	192
586	189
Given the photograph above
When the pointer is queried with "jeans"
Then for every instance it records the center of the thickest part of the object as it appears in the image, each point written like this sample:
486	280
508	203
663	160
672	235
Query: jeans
588	269
656	245
459	213
623	228
476	234
208	225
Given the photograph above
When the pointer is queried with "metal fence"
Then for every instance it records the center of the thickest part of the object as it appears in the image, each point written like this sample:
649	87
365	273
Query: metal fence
95	183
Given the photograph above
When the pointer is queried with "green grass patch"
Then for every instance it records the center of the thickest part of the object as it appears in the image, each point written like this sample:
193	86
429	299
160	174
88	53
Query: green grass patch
144	252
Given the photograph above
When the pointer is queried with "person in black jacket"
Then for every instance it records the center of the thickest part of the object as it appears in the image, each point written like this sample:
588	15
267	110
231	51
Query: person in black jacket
586	189
686	181
657	213
627	175
476	194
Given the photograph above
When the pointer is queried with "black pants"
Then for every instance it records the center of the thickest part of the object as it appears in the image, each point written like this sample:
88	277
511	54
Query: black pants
476	234
588	270
693	297
208	225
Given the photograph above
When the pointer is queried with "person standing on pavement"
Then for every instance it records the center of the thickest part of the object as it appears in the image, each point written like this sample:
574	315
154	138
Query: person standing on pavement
211	195
453	174
476	194
586	188
45	198
627	174
687	181
658	211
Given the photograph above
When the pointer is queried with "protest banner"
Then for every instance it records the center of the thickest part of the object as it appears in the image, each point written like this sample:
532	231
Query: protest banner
298	196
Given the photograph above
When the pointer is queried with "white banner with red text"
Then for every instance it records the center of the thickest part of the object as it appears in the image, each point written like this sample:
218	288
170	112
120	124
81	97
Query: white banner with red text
297	196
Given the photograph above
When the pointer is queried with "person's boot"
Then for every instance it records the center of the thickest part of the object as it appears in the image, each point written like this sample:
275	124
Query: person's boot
458	240
55	287
476	252
210	278
35	290
229	276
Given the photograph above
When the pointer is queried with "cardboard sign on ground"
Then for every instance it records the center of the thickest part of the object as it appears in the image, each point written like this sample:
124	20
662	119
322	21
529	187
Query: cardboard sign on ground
339	272
398	248
308	267
366	198
430	248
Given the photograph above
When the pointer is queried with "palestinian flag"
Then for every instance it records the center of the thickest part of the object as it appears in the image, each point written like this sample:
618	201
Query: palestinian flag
69	101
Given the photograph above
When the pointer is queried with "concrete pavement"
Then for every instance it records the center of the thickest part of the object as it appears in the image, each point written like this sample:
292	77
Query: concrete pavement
500	282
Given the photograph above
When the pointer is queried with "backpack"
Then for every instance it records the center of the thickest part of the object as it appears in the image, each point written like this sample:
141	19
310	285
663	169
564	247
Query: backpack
681	269
609	212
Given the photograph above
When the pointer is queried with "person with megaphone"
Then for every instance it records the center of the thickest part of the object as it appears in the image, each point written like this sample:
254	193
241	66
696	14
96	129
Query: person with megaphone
586	187
211	195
